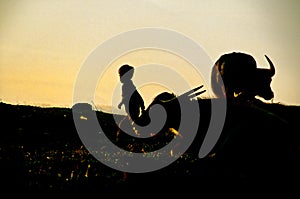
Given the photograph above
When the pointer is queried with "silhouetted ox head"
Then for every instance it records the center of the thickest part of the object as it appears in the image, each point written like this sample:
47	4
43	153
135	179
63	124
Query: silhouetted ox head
241	77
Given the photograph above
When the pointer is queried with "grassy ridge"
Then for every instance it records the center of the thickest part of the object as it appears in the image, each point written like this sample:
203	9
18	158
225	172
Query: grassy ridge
40	150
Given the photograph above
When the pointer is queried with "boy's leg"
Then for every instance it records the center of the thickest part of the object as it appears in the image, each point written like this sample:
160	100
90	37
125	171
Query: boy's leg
127	126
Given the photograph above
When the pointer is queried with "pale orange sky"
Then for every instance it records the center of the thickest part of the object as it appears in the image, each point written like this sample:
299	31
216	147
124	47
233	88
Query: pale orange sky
44	43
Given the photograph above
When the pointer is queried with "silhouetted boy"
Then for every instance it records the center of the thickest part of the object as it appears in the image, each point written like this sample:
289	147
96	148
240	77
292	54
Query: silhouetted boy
131	98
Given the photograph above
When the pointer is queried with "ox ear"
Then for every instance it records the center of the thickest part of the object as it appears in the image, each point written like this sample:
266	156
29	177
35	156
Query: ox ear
272	68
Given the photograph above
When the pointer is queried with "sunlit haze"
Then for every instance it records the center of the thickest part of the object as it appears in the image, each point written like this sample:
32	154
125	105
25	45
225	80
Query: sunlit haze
43	44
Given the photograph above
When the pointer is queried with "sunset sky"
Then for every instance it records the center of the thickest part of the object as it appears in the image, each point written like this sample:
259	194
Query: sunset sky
43	44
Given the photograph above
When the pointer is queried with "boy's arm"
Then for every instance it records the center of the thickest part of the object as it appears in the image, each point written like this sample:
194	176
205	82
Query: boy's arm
121	103
119	106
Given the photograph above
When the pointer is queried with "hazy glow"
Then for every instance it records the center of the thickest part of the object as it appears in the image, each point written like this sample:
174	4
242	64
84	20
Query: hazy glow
44	43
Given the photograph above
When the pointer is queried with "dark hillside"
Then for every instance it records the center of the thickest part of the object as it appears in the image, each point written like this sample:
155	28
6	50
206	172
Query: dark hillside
40	150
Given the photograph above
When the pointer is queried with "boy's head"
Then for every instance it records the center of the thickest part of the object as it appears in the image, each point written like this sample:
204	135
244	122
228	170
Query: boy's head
126	69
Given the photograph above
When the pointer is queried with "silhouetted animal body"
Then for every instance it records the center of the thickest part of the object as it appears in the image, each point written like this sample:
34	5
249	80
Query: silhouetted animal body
171	104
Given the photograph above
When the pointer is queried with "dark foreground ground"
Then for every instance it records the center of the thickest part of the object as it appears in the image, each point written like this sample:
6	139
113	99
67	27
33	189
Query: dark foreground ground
259	150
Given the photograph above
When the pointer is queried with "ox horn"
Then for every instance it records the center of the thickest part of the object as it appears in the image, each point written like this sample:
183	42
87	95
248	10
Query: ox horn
272	68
